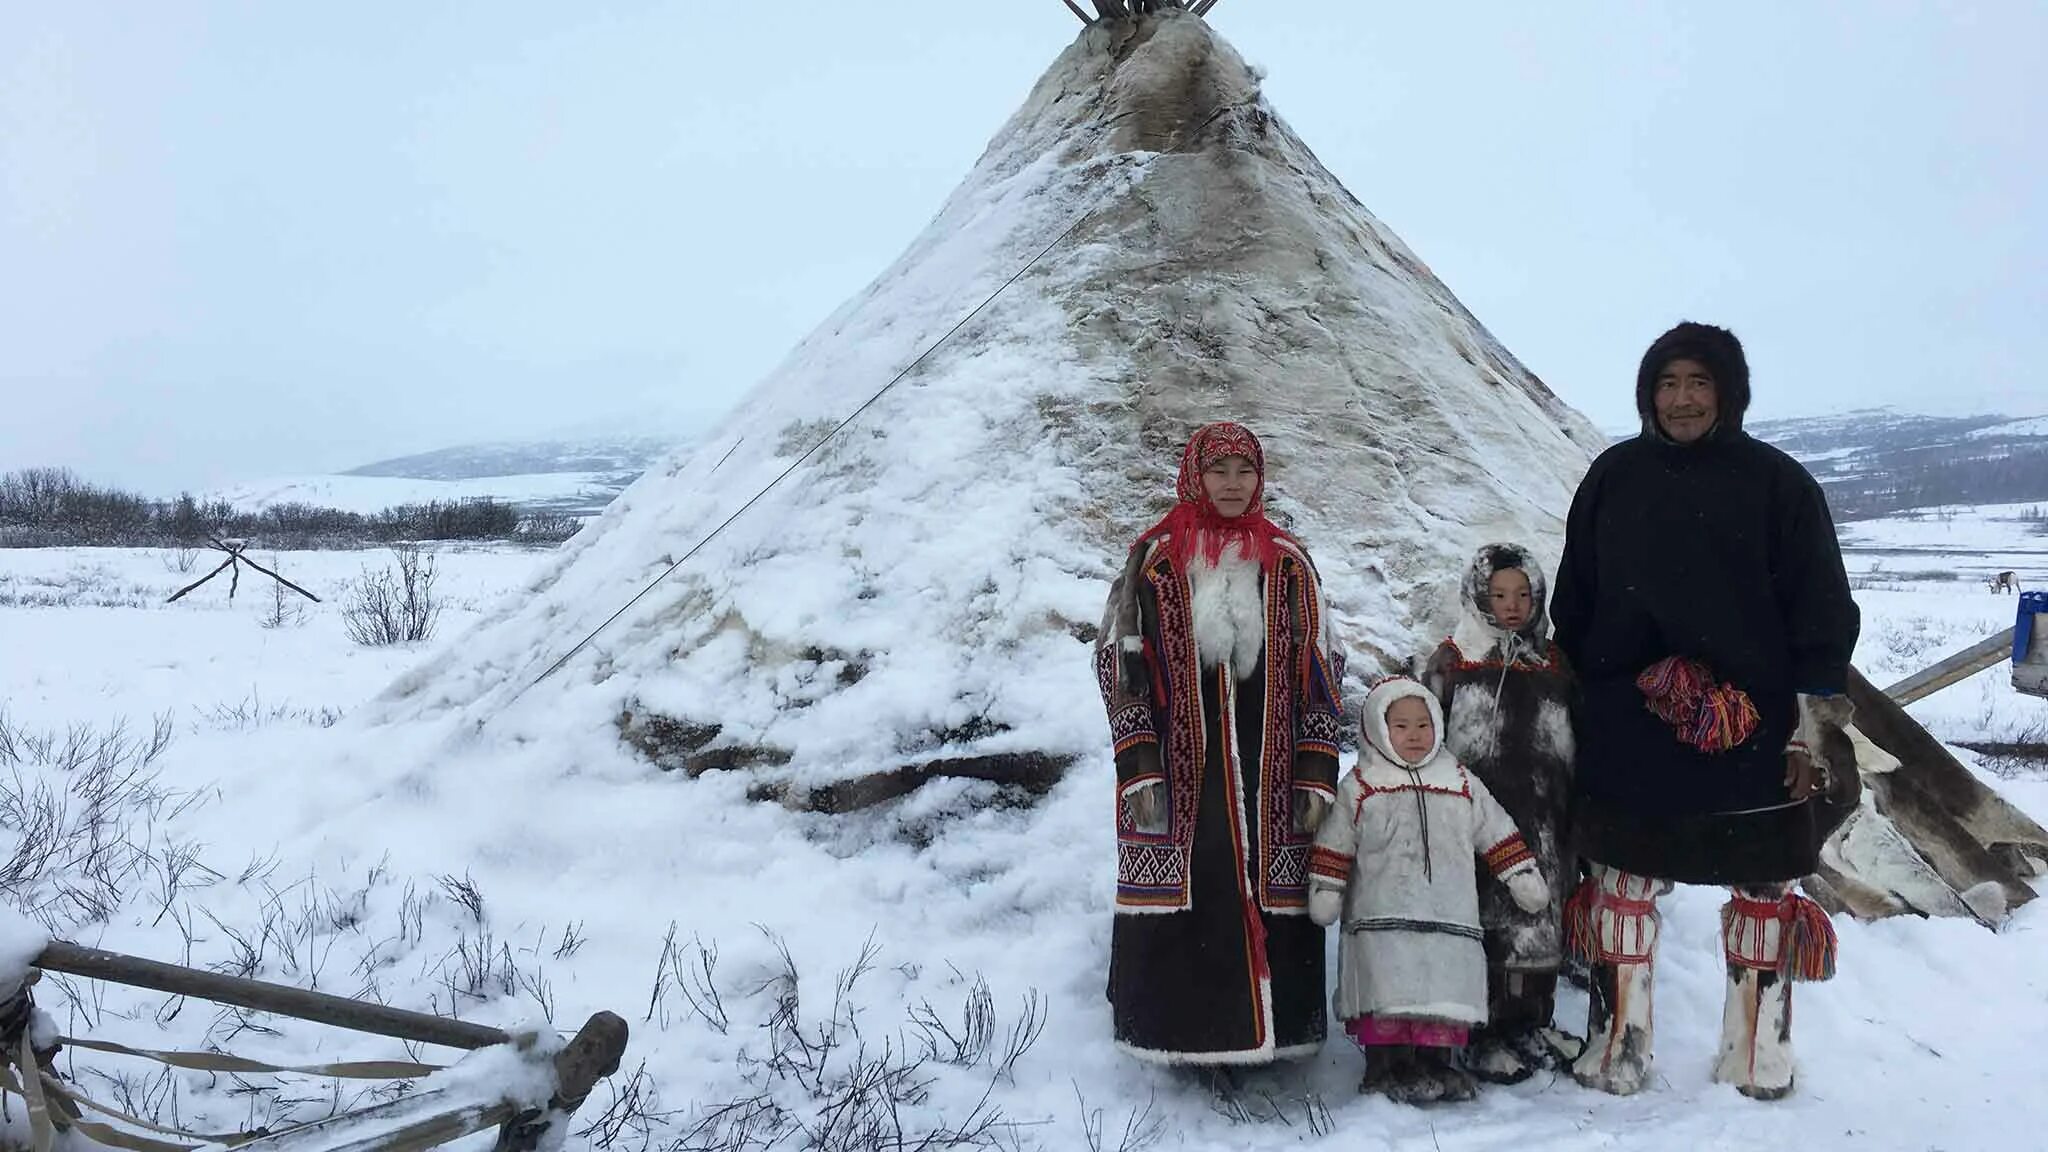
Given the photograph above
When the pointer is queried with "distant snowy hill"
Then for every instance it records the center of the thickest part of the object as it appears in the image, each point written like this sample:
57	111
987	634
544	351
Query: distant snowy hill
579	477
613	456
2032	426
578	493
1876	461
1872	461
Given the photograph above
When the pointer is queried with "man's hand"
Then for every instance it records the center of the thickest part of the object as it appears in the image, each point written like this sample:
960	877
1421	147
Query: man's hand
1802	776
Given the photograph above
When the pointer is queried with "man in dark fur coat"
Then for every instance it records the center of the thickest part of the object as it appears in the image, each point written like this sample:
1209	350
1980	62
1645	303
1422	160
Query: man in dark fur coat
1703	604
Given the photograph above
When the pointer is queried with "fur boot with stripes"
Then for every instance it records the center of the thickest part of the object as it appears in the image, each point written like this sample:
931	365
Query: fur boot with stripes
1771	937
1613	923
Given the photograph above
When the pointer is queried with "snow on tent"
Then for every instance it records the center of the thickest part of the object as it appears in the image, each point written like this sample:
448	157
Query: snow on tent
1145	246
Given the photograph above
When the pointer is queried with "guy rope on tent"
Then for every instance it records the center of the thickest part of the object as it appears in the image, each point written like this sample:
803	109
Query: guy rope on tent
440	1112
827	438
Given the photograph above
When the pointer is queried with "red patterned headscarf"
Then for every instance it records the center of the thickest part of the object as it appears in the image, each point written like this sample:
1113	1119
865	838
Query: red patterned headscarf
1195	518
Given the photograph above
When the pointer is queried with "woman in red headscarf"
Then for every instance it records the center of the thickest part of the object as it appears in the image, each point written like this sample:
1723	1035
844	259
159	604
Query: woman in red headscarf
1220	674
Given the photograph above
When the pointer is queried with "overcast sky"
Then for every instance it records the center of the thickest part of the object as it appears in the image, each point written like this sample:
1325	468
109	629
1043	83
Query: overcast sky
245	240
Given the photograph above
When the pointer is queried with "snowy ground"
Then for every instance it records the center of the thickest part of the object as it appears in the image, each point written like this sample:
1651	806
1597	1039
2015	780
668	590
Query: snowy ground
1967	544
1921	578
89	638
283	837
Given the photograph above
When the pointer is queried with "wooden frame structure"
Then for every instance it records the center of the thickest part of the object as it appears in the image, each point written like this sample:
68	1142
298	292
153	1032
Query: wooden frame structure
410	1124
1952	669
1125	9
2025	644
236	557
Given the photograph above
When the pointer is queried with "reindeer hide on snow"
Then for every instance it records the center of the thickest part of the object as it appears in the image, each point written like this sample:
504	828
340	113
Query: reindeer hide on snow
1928	837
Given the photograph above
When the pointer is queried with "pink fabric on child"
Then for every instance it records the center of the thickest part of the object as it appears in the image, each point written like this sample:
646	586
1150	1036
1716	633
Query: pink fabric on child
1374	1031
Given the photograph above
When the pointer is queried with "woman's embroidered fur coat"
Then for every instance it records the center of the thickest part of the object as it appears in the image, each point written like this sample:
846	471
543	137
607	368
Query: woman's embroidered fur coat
1221	684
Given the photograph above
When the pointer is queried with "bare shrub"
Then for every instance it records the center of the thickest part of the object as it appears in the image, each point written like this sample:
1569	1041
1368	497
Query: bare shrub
2022	753
823	1083
1141	1128
85	804
963	1043
284	610
1246	1104
572	941
250	713
466	895
396	605
633	1116
547	528
695	976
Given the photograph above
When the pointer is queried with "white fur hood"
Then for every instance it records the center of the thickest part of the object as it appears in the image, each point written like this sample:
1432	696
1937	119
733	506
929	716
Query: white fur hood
1373	722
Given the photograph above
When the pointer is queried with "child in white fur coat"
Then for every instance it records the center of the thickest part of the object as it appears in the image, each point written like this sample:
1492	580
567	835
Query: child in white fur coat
1396	861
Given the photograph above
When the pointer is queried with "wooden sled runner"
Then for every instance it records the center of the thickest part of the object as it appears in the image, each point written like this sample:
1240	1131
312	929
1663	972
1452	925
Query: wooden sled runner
444	1109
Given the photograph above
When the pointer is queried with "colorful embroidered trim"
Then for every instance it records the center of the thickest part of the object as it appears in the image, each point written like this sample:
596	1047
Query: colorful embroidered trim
1426	927
1318	733
1548	663
1329	865
1612	918
1507	854
1379	1031
1791	934
1151	875
1301	715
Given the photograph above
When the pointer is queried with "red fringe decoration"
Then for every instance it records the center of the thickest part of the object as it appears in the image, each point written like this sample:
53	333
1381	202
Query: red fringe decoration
1806	936
1810	942
1578	922
1711	717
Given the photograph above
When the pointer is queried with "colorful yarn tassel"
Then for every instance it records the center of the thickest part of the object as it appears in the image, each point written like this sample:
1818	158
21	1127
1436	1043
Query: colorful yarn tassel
1674	686
1711	717
1724	719
1578	922
1810	942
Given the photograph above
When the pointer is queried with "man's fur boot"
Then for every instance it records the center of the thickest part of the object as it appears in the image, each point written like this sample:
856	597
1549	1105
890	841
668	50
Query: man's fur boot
1614	920
1756	1034
1771	937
